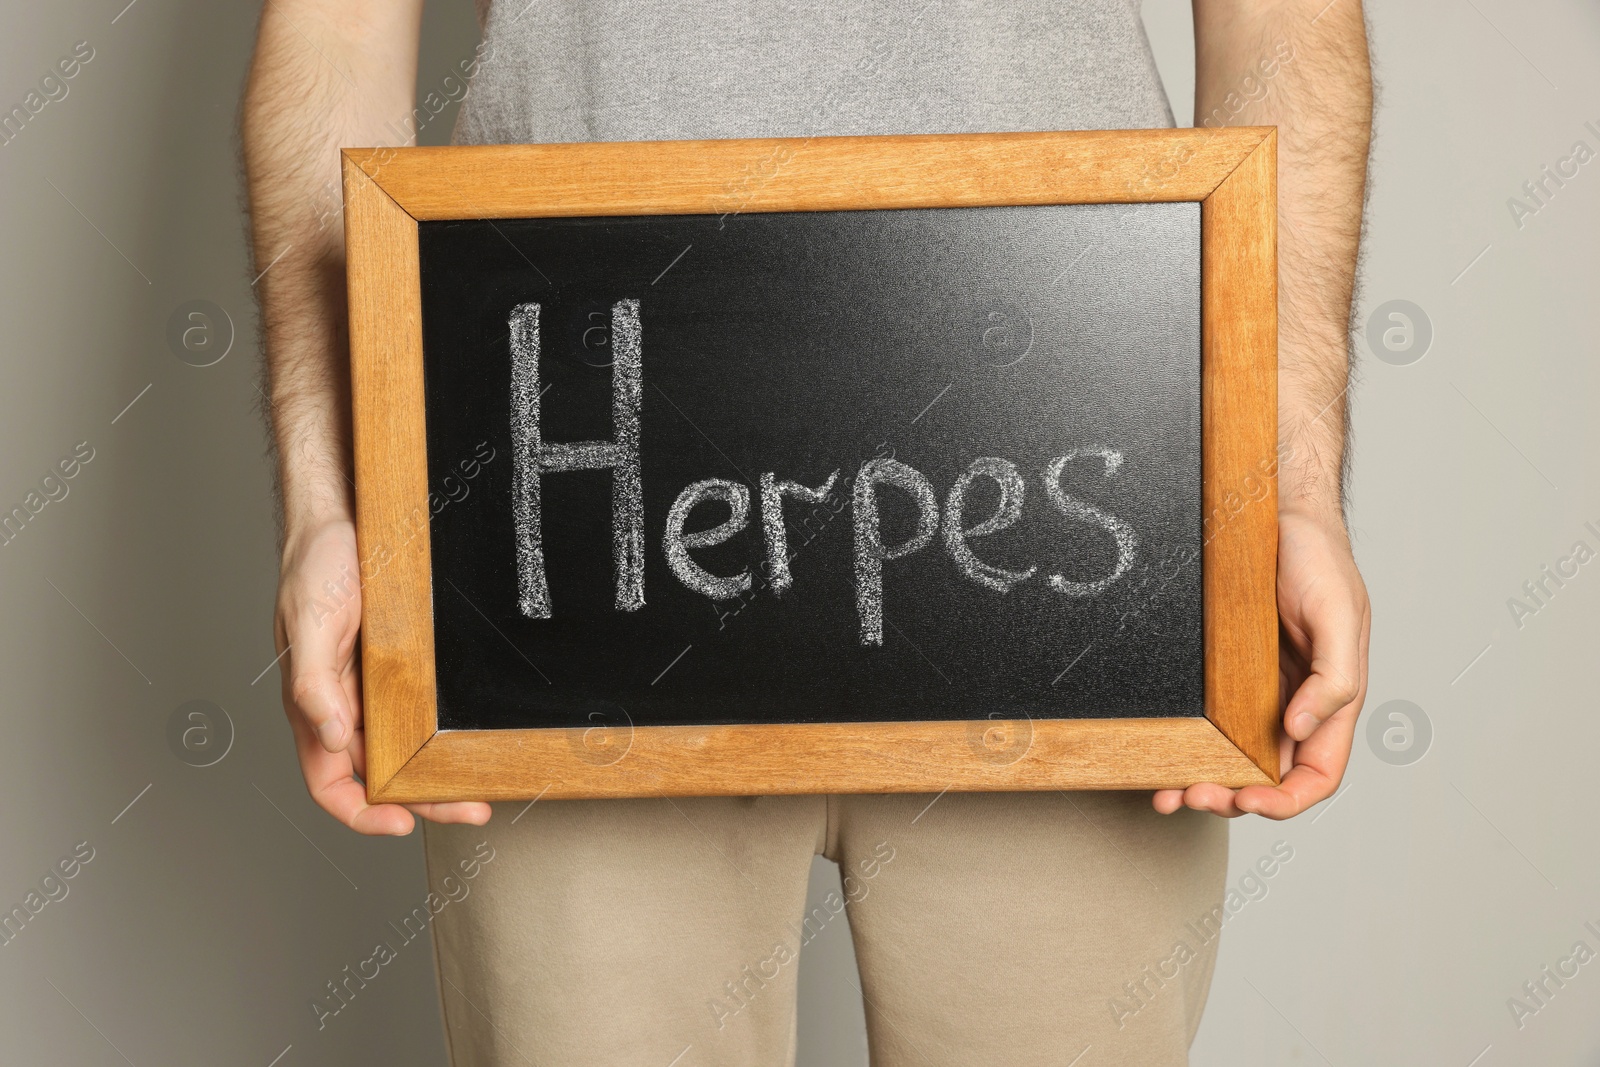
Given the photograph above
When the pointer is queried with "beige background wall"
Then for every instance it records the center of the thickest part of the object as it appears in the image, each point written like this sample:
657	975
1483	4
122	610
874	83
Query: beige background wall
219	900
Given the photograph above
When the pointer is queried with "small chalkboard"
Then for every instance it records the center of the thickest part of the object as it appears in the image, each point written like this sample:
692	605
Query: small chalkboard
785	486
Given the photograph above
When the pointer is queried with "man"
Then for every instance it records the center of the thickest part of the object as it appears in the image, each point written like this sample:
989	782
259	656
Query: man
990	928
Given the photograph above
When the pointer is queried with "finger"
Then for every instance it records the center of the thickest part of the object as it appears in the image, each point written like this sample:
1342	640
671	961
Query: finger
470	812
1334	628
1213	798
1207	797
475	813
315	682
1301	789
1167	801
331	780
1319	766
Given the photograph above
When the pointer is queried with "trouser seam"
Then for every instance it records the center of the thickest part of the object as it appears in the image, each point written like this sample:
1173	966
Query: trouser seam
438	960
830	829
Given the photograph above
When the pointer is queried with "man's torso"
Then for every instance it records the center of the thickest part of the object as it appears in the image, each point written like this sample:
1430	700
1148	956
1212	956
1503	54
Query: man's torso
617	70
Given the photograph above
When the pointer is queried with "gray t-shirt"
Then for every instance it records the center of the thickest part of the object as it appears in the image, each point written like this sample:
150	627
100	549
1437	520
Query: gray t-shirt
630	70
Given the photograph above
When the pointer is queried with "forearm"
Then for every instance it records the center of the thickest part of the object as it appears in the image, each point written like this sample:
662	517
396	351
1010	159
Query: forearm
327	74
1301	65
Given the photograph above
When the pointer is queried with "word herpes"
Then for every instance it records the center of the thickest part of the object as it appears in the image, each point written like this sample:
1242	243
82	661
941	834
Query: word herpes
533	458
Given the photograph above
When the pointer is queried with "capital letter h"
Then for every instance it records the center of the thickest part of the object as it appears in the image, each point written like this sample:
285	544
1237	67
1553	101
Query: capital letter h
532	457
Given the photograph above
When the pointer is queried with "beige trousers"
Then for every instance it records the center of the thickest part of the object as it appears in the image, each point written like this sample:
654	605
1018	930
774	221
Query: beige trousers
1016	929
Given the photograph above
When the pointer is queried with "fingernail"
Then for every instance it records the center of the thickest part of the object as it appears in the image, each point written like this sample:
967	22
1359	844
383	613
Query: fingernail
330	734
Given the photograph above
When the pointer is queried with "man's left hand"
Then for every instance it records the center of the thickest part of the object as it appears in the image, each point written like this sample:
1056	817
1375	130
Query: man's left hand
1325	622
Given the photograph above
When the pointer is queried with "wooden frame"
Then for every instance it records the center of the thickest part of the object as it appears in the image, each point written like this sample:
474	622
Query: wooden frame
1232	173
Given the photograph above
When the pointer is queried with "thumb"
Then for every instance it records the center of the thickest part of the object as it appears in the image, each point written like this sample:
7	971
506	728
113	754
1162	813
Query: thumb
1336	630
313	675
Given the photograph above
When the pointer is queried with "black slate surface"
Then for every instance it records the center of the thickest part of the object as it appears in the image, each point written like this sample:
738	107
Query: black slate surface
800	344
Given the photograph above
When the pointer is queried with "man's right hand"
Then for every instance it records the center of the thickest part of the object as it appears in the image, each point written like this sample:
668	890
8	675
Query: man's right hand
301	106
318	622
